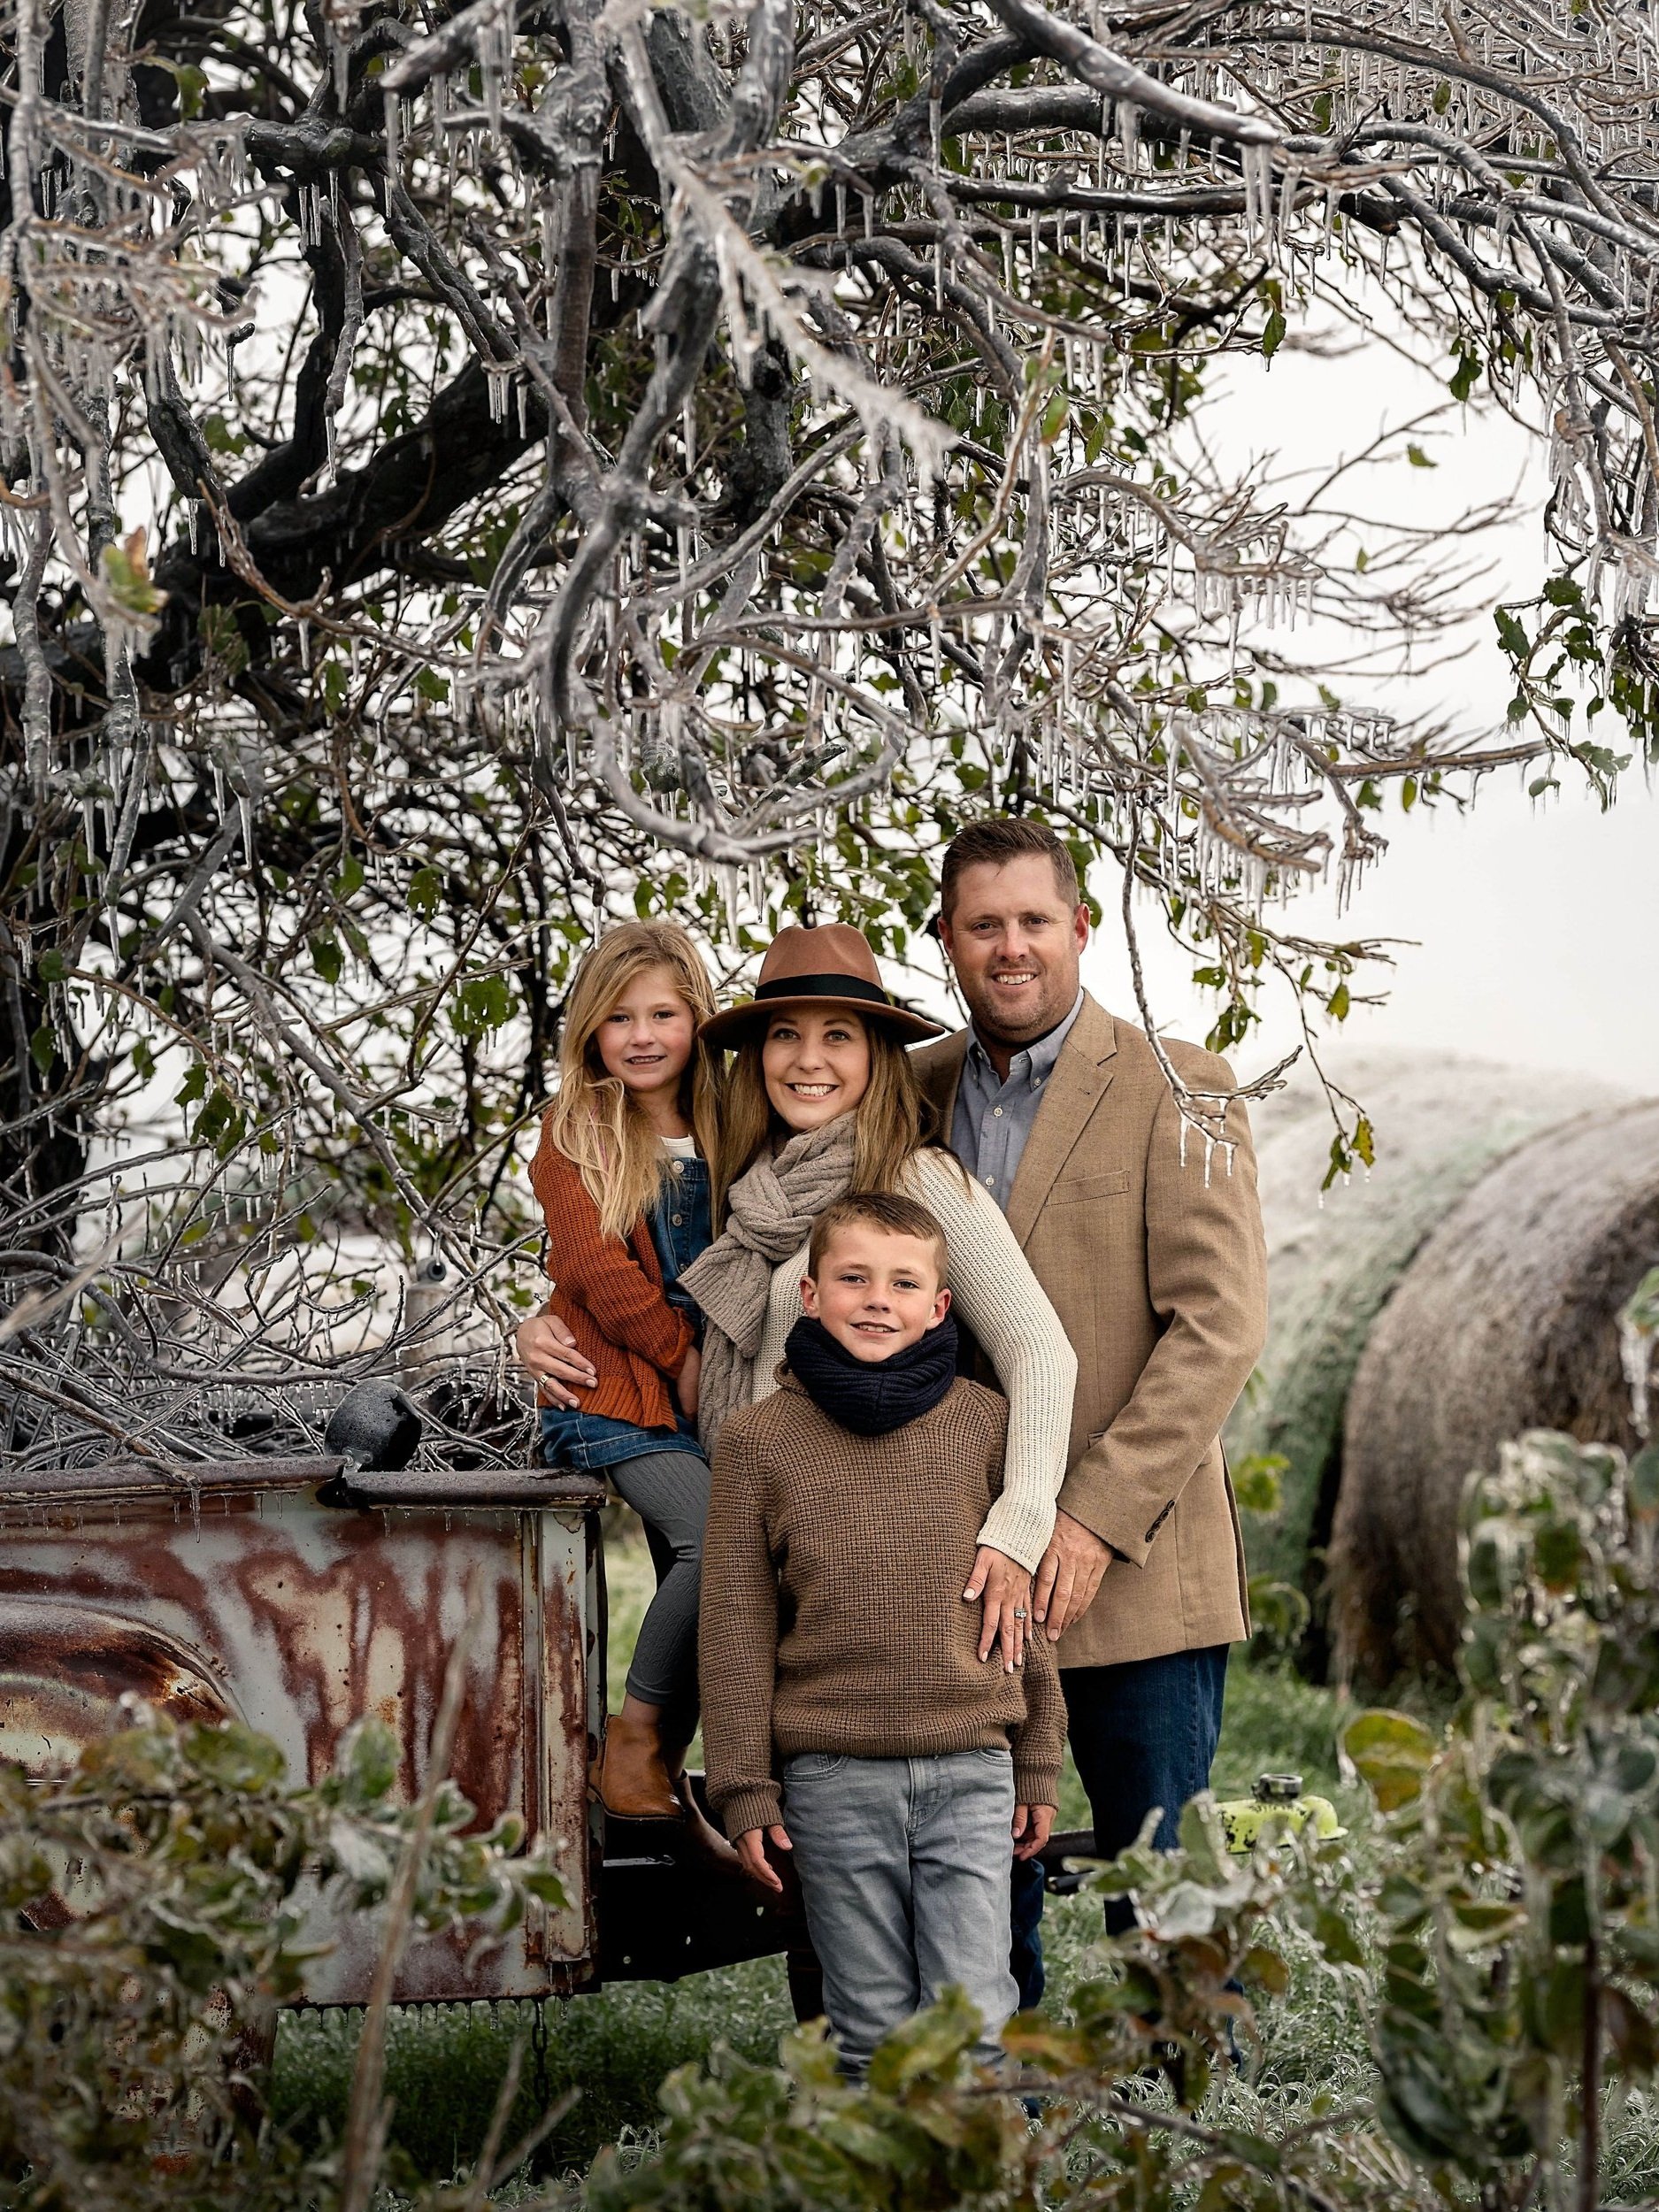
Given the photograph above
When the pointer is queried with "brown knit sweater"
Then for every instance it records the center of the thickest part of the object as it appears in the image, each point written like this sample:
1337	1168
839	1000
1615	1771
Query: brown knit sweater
833	1616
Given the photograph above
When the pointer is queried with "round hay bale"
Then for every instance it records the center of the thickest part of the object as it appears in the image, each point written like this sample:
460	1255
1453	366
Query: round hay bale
1505	1321
1334	1257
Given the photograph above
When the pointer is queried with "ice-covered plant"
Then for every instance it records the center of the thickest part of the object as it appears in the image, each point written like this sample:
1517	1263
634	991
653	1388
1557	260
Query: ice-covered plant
153	1916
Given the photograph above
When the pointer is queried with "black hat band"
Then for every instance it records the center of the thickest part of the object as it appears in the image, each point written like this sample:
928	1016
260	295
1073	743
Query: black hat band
796	986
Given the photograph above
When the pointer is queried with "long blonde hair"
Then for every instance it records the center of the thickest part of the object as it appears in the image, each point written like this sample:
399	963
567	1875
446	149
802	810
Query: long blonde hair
893	1120
594	1122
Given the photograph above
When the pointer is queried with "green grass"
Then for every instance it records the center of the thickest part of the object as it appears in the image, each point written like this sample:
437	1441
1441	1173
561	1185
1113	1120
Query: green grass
445	2063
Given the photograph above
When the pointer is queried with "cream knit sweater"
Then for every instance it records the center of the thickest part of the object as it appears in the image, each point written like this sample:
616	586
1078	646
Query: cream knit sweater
998	1298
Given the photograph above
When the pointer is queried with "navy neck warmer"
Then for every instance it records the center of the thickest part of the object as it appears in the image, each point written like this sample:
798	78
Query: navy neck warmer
872	1396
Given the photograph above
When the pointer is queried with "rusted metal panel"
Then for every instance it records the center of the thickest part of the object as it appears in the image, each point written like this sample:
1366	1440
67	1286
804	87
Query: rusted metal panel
300	1617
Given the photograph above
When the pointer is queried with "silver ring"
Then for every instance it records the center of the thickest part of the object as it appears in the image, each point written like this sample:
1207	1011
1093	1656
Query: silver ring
1019	1612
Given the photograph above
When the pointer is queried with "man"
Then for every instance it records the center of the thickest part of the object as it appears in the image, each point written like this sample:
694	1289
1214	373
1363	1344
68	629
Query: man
1151	1250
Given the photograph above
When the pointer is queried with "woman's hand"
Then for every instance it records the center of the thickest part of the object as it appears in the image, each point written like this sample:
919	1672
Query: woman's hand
1007	1587
751	1848
685	1383
1033	1824
548	1350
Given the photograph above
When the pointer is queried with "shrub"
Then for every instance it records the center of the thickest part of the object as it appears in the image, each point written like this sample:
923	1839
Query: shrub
154	1911
1495	1944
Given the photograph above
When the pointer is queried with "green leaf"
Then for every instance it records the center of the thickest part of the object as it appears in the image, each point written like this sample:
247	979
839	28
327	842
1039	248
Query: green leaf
1466	375
1273	334
232	1755
1391	1753
1335	1938
1256	1482
1418	458
51	967
43	1047
1511	636
327	958
426	890
126	575
1337	1004
932	2042
220	437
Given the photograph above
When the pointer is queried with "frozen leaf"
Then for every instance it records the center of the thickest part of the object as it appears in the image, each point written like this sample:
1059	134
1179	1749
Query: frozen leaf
1393	1754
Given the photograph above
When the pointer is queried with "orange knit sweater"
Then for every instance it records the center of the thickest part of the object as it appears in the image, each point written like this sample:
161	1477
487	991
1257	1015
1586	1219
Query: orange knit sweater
609	1293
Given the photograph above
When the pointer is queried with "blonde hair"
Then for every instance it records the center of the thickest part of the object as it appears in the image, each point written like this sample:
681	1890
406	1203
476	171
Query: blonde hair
593	1121
893	1118
888	1210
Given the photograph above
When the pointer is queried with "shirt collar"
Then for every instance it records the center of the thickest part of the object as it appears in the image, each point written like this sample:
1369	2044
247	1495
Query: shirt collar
1035	1062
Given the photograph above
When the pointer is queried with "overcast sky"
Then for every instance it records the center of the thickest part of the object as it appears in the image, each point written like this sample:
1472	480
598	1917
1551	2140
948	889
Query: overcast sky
1536	927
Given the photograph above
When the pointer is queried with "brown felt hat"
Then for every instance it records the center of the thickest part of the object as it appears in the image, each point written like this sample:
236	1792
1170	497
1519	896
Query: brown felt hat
831	965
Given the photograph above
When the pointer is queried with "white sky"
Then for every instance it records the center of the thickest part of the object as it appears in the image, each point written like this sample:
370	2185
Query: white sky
1535	925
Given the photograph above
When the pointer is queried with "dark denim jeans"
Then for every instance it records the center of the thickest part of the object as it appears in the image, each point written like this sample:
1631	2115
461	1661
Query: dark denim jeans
1142	1734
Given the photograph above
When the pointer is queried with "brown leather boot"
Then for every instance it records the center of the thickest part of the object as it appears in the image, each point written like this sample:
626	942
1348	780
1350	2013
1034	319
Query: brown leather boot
632	1780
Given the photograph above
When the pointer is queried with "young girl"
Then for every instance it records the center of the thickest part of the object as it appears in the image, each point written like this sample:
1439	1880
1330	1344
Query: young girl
622	1177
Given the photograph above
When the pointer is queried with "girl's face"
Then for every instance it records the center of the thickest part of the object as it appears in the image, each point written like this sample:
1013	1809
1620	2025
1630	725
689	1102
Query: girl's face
816	1065
646	1039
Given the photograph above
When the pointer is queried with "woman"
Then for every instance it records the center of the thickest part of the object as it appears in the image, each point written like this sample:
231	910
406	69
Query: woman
823	1098
625	1191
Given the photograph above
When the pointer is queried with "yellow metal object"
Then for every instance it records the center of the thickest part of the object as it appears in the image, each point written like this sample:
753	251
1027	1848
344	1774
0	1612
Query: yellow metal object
1279	1799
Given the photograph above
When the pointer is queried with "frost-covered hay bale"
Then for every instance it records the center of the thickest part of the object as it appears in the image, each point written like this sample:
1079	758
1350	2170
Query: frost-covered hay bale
1441	1123
1504	1322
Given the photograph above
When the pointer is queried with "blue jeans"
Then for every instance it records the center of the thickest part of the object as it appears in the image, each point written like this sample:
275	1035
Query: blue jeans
905	1871
1142	1734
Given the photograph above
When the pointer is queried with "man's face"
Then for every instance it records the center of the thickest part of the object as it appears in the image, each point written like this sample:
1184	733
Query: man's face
1015	944
876	1291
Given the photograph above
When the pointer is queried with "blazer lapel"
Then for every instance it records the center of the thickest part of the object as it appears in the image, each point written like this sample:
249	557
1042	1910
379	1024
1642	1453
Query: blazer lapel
941	1068
1082	1075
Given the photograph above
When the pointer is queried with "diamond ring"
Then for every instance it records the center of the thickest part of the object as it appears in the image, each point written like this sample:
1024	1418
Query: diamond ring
1019	1612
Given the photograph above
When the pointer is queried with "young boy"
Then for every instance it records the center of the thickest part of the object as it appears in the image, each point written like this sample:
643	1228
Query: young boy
847	1714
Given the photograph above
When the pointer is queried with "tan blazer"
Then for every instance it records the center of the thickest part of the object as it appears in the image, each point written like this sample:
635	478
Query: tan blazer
1159	1277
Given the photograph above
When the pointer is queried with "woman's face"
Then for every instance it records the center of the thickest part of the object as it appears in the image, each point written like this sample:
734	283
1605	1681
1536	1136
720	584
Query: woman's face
816	1065
646	1039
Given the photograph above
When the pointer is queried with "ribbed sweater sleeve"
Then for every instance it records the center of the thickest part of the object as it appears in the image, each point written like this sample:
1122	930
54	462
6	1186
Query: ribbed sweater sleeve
1040	1740
996	1294
738	1639
601	1273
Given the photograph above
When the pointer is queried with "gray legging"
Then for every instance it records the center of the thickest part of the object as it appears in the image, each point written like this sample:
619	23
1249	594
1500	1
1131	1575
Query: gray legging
670	1493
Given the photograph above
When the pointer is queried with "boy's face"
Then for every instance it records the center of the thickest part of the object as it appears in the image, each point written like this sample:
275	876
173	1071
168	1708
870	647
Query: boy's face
875	1291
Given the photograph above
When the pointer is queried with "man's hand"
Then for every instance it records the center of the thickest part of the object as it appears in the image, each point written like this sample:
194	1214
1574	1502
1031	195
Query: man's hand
1070	1574
751	1848
548	1350
686	1385
1032	1826
1007	1587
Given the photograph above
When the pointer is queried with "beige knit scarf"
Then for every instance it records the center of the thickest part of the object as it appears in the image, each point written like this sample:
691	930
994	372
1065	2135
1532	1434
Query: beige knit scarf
769	1215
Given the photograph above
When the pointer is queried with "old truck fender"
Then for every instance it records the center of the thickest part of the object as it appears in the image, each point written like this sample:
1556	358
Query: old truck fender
65	1669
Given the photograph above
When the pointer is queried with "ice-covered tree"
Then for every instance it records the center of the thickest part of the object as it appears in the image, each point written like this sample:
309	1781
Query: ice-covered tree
466	473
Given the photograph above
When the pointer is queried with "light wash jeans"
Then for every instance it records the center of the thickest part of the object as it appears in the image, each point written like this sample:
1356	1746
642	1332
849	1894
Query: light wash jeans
905	1866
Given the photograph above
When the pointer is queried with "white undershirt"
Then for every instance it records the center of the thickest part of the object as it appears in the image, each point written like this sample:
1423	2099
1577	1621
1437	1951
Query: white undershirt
680	1148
